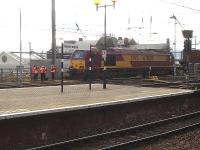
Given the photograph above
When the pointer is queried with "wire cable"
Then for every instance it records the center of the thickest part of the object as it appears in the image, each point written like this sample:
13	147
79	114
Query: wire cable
180	5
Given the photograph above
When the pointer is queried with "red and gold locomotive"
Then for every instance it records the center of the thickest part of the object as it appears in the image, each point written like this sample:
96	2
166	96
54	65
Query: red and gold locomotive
121	62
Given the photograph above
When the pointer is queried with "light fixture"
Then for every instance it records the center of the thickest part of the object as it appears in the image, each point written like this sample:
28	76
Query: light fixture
114	1
97	2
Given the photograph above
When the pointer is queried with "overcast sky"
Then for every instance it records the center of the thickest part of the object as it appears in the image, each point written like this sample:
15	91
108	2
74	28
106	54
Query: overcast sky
128	14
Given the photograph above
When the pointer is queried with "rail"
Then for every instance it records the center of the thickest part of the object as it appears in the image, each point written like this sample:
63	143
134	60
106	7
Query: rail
130	137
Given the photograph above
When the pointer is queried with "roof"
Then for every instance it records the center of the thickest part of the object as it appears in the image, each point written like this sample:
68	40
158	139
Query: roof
85	45
136	51
162	46
14	56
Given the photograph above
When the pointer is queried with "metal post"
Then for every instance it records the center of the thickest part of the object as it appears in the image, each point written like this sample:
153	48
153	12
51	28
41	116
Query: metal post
149	72
174	46
90	68
20	65
1	74
175	38
62	70
104	68
150	26
195	37
30	60
17	76
53	33
174	52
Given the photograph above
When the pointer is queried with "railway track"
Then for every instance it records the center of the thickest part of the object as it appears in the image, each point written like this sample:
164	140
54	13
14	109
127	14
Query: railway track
132	137
145	82
192	84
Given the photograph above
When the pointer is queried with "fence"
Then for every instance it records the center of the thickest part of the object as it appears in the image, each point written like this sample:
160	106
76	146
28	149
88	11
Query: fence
13	74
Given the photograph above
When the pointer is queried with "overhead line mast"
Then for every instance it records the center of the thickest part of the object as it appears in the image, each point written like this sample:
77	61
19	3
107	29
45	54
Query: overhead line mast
53	48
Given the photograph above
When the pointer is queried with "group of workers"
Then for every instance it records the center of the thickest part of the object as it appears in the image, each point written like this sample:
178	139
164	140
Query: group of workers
42	70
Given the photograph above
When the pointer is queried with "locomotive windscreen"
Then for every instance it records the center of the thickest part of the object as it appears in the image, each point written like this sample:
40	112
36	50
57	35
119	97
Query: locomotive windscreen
78	54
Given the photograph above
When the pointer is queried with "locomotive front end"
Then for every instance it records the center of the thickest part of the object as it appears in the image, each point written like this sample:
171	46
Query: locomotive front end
77	64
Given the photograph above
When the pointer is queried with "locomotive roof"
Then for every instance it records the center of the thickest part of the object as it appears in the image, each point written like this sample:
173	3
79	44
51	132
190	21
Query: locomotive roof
132	51
136	51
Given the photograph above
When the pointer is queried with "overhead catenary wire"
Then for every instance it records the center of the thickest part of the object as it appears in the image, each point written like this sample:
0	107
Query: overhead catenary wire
75	32
180	5
78	29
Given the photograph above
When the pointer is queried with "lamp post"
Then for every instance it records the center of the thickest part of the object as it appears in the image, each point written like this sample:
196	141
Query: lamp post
97	3
30	52
20	60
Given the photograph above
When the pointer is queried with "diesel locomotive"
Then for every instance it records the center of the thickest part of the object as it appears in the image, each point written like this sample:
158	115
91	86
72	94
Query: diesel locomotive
120	62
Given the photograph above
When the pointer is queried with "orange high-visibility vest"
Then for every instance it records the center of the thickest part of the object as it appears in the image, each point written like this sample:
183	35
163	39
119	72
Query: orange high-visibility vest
42	69
53	68
45	70
36	70
33	69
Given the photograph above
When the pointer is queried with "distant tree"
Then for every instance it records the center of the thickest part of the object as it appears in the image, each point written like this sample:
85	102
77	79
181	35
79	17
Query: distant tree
132	42
110	42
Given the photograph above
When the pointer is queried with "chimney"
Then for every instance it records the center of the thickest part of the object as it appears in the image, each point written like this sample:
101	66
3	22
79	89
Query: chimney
119	38
80	39
126	41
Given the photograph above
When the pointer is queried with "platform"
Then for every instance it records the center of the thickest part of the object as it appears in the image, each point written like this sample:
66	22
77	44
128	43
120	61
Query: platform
18	102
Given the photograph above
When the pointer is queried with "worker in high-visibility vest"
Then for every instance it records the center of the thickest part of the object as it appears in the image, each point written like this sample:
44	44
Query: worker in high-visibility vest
35	72
45	72
53	71
42	70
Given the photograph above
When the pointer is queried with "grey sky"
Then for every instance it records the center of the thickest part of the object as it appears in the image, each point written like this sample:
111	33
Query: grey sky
36	21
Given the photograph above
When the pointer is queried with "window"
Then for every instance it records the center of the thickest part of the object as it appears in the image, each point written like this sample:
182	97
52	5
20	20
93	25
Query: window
78	54
4	58
110	60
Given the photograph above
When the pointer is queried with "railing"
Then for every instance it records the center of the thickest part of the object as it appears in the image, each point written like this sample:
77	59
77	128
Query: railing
13	74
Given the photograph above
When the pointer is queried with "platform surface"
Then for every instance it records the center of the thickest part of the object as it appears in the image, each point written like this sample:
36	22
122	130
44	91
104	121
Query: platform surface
18	102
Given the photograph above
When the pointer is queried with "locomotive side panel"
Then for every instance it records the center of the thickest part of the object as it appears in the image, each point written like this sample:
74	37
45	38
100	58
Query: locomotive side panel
144	60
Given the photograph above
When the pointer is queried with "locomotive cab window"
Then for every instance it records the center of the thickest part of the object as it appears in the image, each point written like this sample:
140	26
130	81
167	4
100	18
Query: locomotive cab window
111	60
78	54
